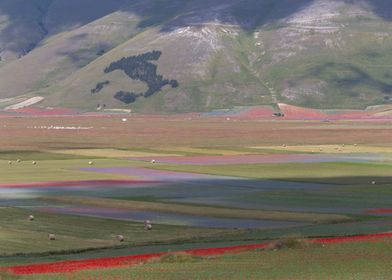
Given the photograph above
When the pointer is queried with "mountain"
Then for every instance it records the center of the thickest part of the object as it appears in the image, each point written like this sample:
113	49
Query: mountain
188	55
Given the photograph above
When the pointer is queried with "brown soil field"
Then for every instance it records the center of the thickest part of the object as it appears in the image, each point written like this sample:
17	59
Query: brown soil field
169	132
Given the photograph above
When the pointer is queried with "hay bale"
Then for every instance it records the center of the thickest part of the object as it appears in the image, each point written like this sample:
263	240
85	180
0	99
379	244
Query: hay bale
90	163
31	218
10	162
153	161
147	225
373	182
120	238
51	237
18	160
34	162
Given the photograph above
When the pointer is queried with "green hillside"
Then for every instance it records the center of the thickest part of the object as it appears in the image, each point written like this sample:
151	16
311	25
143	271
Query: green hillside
312	53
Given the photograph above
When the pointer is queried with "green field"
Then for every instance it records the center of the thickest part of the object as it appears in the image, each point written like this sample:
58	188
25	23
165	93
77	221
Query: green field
47	169
195	205
203	210
360	260
339	173
19	236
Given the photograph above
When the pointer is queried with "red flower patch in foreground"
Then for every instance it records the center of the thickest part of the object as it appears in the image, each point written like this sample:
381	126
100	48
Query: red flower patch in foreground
73	266
379	211
78	265
365	237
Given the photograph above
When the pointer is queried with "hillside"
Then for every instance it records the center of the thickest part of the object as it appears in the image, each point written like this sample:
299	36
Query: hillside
213	54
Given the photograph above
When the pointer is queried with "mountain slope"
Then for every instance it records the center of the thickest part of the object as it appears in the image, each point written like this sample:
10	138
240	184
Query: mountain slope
323	54
24	24
62	54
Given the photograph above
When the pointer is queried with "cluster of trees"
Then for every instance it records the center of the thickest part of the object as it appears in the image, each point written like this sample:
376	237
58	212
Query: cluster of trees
99	86
126	97
140	68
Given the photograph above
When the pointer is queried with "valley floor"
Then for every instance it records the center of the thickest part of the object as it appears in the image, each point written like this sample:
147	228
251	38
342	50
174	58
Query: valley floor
204	183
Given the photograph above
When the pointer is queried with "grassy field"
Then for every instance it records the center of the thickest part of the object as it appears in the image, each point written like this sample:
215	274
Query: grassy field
54	170
19	236
358	260
332	149
203	210
327	198
339	173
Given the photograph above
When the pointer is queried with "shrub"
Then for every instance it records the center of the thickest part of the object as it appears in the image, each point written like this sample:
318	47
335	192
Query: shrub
179	258
291	242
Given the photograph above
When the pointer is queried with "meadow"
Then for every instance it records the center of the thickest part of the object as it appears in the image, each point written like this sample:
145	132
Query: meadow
203	182
353	260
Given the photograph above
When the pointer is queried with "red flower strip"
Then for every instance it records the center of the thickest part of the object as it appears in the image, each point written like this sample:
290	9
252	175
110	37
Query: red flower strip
380	211
78	265
353	238
73	266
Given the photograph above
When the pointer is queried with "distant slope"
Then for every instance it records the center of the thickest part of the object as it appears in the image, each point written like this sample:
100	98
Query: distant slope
311	53
209	73
24	24
62	54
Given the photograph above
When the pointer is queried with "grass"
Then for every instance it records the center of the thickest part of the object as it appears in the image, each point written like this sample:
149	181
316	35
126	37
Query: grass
56	170
108	153
228	238
357	260
359	67
34	155
333	199
335	172
52	167
203	210
179	258
73	233
331	149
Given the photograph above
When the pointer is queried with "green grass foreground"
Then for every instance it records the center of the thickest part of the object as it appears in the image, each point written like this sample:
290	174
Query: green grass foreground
343	261
19	236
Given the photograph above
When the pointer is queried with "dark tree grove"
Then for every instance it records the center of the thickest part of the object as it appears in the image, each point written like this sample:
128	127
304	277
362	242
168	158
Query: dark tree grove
140	68
126	97
99	86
